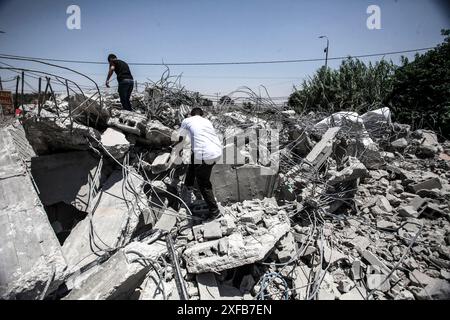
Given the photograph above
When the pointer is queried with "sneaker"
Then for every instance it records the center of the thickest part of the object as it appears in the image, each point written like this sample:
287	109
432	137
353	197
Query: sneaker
213	215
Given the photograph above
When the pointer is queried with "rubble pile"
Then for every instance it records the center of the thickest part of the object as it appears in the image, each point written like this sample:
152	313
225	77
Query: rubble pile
349	207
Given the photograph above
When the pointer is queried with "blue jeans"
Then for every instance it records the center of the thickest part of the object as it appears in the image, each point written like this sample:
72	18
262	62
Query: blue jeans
125	90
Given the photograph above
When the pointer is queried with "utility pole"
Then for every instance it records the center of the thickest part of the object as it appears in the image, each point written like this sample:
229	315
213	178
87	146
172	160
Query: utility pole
326	50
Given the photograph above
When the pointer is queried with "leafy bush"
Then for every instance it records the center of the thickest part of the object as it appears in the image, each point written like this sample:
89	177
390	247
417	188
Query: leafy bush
354	86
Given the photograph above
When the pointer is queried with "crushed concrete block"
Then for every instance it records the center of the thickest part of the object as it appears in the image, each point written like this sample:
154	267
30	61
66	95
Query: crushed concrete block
119	275
399	144
360	243
115	143
323	149
286	248
433	183
113	218
439	289
378	281
407	211
383	224
161	163
354	170
252	216
419	278
432	211
63	177
207	286
49	134
167	220
128	121
384	204
30	254
373	260
157	134
212	230
204	257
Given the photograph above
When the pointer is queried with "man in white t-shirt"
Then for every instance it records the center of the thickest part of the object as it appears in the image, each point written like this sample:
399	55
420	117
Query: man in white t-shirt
206	150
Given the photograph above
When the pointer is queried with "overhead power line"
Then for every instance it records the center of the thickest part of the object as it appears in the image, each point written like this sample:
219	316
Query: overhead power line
8	56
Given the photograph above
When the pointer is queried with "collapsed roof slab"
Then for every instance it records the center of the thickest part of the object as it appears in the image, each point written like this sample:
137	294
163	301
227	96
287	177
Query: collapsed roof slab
110	223
121	274
64	177
31	257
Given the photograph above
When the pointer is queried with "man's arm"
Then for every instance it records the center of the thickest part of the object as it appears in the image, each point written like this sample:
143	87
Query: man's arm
110	72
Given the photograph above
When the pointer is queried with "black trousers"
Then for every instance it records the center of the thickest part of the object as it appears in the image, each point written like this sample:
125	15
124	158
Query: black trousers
125	90
202	173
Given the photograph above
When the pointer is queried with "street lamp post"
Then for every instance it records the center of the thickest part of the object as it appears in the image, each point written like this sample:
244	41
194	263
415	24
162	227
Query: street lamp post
326	50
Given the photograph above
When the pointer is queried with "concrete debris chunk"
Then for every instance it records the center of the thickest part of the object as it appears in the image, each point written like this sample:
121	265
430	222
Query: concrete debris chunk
204	257
111	222
322	150
354	170
31	257
115	143
121	274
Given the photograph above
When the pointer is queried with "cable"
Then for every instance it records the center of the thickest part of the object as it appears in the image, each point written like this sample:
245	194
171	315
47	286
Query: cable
6	56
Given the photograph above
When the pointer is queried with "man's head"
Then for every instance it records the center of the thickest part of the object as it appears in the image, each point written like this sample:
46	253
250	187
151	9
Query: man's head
111	57
197	112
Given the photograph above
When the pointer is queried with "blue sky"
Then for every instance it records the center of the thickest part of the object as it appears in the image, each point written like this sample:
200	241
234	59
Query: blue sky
212	30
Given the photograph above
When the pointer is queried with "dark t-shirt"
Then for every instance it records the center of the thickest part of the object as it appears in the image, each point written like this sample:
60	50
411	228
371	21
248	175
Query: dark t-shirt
122	70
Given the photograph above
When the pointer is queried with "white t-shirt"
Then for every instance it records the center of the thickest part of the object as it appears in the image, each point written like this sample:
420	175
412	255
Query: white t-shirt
204	141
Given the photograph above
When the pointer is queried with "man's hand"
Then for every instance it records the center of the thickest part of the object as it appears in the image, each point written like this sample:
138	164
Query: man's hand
107	84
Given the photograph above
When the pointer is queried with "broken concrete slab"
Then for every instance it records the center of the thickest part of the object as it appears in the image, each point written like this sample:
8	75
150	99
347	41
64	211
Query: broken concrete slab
432	183
323	149
31	257
212	230
354	170
157	134
64	177
119	275
439	289
419	278
161	163
167	220
375	261
241	250
111	222
115	143
128	121
49	134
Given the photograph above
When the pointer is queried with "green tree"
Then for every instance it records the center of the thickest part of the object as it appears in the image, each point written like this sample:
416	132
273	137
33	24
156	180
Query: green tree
354	86
421	90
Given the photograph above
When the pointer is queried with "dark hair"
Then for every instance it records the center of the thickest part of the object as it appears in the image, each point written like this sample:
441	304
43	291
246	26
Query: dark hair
111	56
197	112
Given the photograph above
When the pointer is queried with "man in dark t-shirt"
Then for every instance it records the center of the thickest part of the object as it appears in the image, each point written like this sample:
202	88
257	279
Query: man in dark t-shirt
124	78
